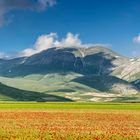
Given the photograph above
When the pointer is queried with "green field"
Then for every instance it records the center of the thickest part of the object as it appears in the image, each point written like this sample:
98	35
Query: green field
72	105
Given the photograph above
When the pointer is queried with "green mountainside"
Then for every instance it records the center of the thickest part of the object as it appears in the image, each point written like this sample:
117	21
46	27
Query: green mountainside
74	74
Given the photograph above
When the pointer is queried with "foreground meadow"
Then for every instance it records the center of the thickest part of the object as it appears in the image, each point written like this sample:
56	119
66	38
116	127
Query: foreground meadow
69	124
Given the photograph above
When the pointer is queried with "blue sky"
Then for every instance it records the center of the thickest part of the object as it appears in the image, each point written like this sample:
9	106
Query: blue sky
113	22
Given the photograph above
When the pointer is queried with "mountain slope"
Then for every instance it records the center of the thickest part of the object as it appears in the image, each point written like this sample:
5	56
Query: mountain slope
79	74
76	87
130	71
13	94
94	60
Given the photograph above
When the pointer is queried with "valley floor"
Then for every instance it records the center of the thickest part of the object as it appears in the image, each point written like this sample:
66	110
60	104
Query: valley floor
69	121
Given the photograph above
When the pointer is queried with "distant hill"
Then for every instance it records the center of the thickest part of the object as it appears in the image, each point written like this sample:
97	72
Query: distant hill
79	74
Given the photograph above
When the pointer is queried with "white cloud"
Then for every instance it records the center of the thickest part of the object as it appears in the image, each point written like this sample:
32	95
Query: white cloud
43	4
137	39
70	40
9	5
51	40
45	42
3	55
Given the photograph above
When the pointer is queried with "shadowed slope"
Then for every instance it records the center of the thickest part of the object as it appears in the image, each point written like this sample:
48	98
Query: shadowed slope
96	60
23	95
107	84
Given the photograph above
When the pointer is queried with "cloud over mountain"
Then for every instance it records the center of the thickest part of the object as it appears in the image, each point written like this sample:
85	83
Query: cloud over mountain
51	40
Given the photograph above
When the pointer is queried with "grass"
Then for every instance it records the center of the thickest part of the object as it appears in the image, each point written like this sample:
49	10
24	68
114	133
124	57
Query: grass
65	86
72	105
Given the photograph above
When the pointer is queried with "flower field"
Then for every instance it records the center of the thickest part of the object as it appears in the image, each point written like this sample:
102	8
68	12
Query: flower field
70	125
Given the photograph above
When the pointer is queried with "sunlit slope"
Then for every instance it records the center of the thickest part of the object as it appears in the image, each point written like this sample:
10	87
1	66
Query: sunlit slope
77	87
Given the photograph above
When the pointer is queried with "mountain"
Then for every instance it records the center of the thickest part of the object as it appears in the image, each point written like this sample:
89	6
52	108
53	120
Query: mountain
94	60
131	71
79	74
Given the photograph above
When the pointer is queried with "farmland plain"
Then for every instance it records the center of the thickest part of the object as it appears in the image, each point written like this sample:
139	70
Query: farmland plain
69	121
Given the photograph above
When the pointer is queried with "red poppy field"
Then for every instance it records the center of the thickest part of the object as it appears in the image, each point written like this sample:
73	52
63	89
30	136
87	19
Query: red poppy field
75	124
